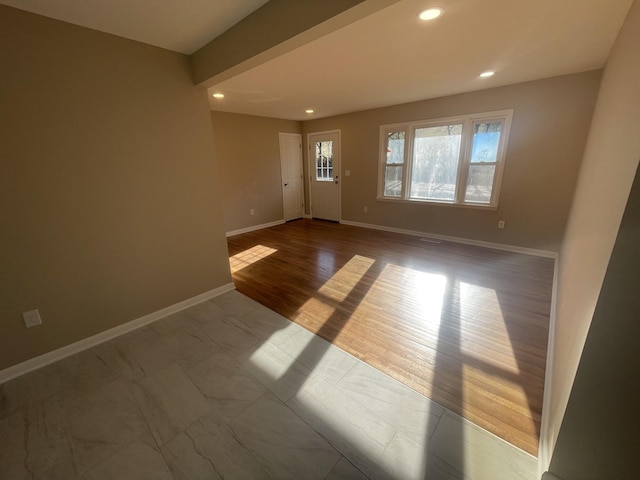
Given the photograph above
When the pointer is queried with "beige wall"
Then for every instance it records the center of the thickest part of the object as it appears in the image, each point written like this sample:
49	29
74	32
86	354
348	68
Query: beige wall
550	123
107	184
247	152
610	161
601	425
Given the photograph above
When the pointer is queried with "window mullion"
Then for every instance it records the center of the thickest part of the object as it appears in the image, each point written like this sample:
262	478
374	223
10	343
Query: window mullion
384	144
464	161
408	161
499	163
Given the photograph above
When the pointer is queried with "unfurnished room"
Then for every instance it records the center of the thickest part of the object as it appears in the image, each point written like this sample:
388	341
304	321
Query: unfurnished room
303	239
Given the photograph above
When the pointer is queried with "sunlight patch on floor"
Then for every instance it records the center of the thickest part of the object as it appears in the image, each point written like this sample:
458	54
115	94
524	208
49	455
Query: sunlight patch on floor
476	442
473	334
250	256
432	288
340	285
272	363
317	311
492	382
408	285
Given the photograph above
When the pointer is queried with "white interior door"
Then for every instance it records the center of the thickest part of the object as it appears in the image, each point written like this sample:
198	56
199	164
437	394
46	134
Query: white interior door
291	166
324	170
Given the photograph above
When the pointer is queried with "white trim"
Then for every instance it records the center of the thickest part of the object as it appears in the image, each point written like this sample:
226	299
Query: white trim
311	169
324	132
254	227
544	450
467	241
68	350
464	157
298	136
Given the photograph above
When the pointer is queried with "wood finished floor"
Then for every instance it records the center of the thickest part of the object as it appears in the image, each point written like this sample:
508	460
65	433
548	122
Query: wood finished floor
466	326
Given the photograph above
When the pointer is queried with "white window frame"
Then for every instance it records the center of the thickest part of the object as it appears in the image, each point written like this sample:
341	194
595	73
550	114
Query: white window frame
464	159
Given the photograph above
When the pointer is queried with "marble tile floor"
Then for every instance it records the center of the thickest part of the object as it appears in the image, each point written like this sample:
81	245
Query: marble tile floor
229	389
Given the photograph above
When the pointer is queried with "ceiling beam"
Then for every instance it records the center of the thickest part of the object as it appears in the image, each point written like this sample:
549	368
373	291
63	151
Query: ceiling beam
276	28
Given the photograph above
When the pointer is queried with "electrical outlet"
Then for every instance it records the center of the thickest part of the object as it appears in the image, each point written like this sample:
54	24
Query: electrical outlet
252	212
366	209
500	224
31	318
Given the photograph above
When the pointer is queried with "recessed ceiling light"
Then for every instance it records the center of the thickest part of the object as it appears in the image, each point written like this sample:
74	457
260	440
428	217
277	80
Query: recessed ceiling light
431	13
487	74
218	95
309	110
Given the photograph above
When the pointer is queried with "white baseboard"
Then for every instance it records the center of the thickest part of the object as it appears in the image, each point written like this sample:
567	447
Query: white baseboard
255	227
68	350
447	238
545	451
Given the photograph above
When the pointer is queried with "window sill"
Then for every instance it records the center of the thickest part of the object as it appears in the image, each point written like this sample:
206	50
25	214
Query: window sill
491	208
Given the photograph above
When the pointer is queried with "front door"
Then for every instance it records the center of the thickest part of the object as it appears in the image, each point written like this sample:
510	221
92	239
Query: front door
324	170
291	166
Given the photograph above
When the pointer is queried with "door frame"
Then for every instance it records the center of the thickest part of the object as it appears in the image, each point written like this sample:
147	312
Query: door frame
302	203
312	168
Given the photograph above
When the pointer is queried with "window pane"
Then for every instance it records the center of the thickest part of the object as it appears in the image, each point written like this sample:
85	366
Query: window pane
392	181
394	161
395	147
435	162
486	138
480	183
324	161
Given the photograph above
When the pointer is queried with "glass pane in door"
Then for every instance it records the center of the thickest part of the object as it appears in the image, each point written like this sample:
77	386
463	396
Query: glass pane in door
324	161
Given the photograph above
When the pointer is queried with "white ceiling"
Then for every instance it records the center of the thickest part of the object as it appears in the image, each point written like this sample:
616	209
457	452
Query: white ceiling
179	26
390	57
386	58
